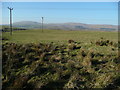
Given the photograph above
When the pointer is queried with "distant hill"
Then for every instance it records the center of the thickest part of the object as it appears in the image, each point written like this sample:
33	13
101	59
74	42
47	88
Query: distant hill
65	26
27	24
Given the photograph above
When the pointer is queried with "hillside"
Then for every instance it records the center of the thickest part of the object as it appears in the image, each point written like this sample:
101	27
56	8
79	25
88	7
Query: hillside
65	26
59	59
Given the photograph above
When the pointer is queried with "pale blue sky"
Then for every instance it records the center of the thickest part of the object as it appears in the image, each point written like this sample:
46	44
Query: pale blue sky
62	12
60	0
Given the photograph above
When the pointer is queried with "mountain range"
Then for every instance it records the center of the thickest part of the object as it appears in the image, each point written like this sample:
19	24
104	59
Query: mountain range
65	26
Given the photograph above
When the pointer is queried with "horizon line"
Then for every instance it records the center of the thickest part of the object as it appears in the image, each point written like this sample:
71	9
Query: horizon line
62	23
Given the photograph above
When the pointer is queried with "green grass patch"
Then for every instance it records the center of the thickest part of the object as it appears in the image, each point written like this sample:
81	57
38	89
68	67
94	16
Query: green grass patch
62	36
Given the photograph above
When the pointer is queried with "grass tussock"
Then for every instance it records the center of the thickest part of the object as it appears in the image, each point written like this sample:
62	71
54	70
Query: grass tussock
58	66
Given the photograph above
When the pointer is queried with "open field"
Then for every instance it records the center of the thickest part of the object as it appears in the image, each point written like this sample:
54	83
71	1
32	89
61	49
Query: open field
35	36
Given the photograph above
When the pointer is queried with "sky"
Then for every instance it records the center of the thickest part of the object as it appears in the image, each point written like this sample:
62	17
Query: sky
60	0
62	12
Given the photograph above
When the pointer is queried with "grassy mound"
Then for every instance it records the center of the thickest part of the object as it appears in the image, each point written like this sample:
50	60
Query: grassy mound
73	65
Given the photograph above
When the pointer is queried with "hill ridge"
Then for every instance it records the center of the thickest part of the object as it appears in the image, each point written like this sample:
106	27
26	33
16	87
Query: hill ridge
65	26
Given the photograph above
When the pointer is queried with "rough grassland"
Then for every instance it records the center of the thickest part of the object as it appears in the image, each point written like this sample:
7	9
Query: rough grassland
58	59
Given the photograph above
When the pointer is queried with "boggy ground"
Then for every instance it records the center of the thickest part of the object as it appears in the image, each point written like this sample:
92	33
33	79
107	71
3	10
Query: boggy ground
72	65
